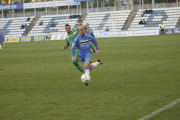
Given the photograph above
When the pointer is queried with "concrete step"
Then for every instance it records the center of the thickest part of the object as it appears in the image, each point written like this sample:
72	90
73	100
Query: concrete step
178	23
83	16
129	20
31	25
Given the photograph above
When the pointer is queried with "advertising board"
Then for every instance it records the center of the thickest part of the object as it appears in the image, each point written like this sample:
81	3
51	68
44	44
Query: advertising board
11	6
171	31
114	34
143	32
48	4
58	37
26	39
12	39
39	38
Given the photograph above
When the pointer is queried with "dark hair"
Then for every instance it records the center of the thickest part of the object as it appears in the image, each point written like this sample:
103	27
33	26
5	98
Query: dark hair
67	25
76	24
87	23
80	20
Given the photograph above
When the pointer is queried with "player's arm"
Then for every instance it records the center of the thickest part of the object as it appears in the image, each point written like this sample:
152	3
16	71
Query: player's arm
88	30
73	47
66	46
94	41
2	34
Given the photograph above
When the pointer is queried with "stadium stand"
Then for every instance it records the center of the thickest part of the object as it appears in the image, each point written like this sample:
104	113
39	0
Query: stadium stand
12	26
114	20
168	16
58	20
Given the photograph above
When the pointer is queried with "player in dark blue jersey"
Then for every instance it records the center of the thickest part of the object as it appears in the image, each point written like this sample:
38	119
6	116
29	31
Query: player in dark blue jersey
83	43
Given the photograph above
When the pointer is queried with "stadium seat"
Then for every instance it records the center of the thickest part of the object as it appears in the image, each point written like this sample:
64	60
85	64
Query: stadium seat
59	20
98	21
12	26
168	16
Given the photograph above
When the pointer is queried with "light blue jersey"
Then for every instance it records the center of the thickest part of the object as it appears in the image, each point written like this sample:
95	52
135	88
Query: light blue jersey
90	29
83	43
91	32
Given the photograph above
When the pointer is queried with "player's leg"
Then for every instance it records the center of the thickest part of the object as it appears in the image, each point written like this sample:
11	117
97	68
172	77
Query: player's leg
3	42
87	59
83	61
88	65
76	55
95	64
0	44
78	66
92	46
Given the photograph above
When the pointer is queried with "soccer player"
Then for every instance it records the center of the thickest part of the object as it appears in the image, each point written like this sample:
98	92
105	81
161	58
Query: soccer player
91	31
2	36
83	43
87	32
87	29
69	41
76	30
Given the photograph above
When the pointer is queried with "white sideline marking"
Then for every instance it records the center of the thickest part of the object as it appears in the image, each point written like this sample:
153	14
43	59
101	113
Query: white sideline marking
160	110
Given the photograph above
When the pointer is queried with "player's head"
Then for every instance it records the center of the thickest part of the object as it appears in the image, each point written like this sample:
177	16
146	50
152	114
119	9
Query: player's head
82	30
162	23
0	29
76	25
80	22
87	24
68	28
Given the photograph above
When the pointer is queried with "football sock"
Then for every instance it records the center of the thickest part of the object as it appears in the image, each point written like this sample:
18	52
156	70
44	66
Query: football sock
87	71
3	44
78	66
94	64
0	46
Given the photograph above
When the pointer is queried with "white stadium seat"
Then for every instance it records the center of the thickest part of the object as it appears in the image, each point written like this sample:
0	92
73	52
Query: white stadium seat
12	26
168	16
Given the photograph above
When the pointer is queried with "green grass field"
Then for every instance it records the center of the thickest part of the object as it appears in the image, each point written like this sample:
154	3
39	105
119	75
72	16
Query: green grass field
139	75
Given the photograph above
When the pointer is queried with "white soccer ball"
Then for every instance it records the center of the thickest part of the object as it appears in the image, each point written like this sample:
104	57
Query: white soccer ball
85	78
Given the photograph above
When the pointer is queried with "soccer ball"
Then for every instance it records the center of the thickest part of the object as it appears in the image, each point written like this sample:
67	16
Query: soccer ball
85	78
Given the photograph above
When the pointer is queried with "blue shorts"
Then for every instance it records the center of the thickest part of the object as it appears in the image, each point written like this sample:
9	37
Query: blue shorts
86	57
2	39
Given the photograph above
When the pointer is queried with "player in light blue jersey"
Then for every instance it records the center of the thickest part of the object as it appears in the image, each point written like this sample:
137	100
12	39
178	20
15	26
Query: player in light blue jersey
83	43
2	37
91	31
